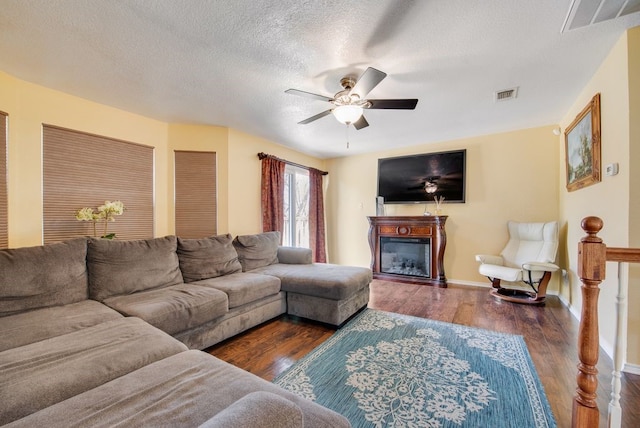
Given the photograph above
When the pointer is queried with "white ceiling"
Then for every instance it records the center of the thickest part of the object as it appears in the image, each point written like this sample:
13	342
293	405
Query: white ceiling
228	63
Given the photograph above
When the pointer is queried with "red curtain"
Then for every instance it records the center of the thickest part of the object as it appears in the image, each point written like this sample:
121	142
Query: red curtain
316	217
272	194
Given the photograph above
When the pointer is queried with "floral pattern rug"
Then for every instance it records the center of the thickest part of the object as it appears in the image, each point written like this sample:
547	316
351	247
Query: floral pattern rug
390	370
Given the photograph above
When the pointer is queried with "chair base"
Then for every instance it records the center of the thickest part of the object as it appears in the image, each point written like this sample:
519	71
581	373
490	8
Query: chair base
517	296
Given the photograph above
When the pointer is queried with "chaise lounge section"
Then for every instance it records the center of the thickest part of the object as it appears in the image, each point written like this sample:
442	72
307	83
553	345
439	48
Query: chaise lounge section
322	292
97	332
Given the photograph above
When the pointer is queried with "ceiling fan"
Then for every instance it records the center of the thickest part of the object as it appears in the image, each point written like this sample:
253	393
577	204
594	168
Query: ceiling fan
437	183
349	104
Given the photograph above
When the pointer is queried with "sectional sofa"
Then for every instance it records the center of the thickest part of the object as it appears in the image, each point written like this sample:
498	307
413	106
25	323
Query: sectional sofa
97	332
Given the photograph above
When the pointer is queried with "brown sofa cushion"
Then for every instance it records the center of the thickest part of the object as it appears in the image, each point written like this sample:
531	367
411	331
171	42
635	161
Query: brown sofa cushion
40	324
295	255
175	308
36	376
258	250
243	287
207	258
185	389
329	281
43	276
124	267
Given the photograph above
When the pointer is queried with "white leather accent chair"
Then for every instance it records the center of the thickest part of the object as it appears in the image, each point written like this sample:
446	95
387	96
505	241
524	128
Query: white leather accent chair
528	257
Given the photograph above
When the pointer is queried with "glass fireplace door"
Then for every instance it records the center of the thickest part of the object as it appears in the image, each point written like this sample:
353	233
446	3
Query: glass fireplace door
406	256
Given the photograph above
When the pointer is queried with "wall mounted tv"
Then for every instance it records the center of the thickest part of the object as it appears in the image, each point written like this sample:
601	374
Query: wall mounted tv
418	179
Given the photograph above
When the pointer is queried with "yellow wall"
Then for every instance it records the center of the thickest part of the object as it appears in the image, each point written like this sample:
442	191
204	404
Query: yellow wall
204	139
510	176
609	199
29	106
633	344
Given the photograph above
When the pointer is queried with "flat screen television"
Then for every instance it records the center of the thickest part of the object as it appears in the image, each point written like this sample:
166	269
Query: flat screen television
418	179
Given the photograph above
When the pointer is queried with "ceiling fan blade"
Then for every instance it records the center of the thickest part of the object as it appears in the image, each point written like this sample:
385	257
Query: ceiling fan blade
406	104
361	123
369	80
308	95
316	117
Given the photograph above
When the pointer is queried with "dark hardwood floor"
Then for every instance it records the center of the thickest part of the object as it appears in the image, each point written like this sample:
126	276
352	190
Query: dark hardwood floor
550	332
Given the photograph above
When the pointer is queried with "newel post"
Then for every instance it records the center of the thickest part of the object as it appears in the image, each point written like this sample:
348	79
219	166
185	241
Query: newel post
592	254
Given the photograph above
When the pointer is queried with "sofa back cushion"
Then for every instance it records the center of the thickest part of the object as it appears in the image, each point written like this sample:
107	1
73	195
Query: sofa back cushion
43	276
295	255
258	250
207	257
124	267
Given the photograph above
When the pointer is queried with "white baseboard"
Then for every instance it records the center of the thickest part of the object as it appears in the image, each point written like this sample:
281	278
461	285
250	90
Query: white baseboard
627	367
564	301
608	349
576	314
631	368
472	283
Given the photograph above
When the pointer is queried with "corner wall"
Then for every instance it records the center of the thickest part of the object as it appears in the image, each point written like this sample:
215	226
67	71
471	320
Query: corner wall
245	170
633	336
29	106
614	199
205	139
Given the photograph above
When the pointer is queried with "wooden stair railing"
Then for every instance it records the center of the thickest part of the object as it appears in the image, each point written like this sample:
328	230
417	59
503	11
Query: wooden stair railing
592	257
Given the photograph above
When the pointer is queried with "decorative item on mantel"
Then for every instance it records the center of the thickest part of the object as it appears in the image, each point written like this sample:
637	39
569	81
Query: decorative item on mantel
105	213
430	187
438	200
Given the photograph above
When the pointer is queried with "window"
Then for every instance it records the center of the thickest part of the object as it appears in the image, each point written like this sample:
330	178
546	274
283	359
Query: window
296	207
195	194
4	239
84	170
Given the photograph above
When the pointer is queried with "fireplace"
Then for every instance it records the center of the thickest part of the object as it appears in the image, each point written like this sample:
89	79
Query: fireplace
408	249
405	256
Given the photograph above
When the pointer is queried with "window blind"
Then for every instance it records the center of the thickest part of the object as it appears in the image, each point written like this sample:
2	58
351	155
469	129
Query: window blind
195	194
85	170
4	206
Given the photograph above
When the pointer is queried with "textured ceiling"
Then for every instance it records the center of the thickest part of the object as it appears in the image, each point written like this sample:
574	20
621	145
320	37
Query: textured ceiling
228	63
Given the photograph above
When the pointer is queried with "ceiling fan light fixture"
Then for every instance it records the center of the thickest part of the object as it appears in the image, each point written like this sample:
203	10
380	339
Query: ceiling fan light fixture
430	187
347	114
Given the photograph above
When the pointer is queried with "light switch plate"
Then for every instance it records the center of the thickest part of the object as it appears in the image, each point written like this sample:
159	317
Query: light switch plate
611	169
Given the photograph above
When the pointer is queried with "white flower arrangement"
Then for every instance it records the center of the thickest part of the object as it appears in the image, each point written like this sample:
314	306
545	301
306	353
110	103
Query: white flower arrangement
105	213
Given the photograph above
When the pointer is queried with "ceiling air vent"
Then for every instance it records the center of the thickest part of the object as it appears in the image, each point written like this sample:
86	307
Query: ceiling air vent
588	12
506	94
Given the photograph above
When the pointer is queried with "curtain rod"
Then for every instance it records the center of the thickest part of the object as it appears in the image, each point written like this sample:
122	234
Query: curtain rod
263	155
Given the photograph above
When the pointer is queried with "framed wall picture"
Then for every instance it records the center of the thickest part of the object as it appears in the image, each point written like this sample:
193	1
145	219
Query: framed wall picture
582	147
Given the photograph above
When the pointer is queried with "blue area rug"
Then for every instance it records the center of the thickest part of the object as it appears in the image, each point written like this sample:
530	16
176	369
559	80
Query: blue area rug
390	370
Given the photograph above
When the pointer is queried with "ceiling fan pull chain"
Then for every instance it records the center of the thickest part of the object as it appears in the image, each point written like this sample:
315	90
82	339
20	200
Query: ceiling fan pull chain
347	135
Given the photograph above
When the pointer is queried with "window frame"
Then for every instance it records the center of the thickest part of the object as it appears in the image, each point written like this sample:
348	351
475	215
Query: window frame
290	229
